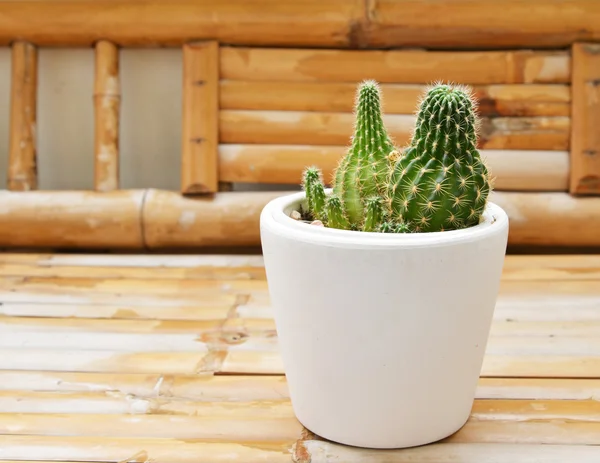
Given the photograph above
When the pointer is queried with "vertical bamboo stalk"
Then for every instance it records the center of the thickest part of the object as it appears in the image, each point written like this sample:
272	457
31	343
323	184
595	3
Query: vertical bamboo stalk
107	100
22	169
585	120
199	172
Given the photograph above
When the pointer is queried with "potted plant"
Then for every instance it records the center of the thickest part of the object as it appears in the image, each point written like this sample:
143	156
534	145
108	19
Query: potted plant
383	311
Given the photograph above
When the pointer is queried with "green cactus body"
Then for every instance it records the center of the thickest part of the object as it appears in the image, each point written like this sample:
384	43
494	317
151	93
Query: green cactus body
335	213
440	181
315	192
363	171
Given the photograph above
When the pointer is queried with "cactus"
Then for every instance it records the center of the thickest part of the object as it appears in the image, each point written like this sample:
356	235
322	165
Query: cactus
360	178
440	181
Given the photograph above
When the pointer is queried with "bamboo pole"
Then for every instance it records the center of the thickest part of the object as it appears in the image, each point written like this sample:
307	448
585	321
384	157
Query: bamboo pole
200	131
107	100
22	168
471	24
324	23
330	128
162	220
283	164
174	23
395	66
71	219
229	218
493	100
585	136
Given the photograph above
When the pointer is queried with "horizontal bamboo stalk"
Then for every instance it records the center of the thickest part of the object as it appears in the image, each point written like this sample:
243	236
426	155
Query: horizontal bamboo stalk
512	421
114	403
71	219
538	389
549	218
395	66
142	262
118	292
131	23
158	450
241	428
207	388
585	139
284	164
325	23
519	100
200	118
549	329
555	267
92	287
468	24
147	273
177	331
107	100
45	403
262	361
536	267
329	128
511	308
170	221
211	388
130	310
321	451
173	221
572	301
22	158
506	337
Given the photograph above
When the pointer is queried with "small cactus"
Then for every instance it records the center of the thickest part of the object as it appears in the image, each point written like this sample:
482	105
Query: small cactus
360	178
440	181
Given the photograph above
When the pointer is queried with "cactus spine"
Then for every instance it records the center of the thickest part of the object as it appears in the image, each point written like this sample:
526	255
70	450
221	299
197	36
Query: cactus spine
438	183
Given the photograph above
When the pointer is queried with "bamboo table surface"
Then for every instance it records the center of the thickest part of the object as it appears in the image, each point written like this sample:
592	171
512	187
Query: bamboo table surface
174	359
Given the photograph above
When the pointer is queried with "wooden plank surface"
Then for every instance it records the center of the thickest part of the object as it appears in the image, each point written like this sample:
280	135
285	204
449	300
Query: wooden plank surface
174	358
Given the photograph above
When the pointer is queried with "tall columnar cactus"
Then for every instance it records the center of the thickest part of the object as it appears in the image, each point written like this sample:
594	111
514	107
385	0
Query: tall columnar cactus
440	181
360	178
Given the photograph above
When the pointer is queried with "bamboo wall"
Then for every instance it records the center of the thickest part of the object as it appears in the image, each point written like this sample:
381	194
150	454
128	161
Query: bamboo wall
268	88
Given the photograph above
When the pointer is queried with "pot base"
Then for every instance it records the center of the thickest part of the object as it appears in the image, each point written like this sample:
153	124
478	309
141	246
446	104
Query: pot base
364	438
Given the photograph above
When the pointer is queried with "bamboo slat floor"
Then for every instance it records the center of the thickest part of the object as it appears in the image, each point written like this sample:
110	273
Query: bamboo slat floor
174	359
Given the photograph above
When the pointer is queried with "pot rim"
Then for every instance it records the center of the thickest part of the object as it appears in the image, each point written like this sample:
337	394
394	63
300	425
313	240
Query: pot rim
275	217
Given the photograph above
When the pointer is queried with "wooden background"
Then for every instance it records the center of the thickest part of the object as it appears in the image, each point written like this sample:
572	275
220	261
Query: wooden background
268	88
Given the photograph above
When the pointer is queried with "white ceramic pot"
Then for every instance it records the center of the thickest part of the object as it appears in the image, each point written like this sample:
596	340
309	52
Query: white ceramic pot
382	336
